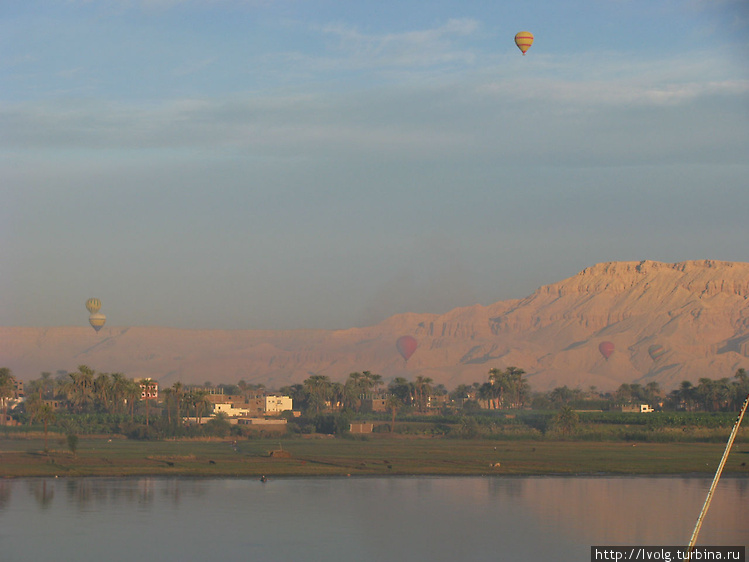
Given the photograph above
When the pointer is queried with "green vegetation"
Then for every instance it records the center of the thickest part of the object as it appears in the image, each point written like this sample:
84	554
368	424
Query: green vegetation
118	426
98	456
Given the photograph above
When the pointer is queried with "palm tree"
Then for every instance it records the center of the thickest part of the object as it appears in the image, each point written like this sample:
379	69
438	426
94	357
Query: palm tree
200	400
402	389
723	393
168	394
318	389
44	385
80	388
516	386
337	395
393	404
561	395
119	386
7	388
103	391
707	392
374	381
132	394
652	391
687	395
32	404
46	415
179	392
487	392
351	392
147	386
423	391
566	420
497	380
740	388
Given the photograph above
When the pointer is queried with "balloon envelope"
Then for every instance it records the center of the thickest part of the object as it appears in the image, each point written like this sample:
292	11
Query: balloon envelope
93	305
606	348
97	321
656	351
406	346
524	40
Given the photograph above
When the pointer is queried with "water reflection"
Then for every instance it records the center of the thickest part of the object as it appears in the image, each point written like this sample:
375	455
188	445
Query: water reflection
43	492
620	510
95	493
360	518
5	487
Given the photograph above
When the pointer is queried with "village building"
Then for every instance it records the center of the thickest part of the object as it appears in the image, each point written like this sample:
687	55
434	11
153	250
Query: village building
374	404
638	408
361	427
275	404
150	390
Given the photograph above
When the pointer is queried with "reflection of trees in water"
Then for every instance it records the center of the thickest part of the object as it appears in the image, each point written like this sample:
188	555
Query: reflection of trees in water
176	488
86	492
43	491
145	491
508	487
742	487
4	493
79	492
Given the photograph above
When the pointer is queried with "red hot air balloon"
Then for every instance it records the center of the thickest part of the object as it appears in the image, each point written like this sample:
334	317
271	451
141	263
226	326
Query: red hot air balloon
606	348
406	346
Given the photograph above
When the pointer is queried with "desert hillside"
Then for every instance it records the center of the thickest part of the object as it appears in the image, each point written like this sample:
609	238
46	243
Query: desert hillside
662	322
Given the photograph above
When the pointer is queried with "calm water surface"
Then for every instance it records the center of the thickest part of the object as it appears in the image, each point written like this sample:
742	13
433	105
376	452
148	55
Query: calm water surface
359	519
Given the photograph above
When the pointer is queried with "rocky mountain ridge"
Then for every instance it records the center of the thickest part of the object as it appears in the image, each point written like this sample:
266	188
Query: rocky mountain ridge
696	311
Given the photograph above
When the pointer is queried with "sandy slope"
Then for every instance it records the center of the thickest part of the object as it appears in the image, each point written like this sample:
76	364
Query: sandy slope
698	311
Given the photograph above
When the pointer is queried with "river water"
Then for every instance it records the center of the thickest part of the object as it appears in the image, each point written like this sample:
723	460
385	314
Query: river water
359	519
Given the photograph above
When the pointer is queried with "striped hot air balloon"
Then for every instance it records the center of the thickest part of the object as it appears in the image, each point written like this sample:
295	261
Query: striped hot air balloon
524	40
93	305
656	351
97	321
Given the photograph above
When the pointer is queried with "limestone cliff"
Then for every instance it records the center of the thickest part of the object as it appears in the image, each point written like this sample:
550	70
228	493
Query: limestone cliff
697	311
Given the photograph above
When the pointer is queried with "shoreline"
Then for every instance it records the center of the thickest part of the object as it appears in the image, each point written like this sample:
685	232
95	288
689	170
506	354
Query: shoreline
306	458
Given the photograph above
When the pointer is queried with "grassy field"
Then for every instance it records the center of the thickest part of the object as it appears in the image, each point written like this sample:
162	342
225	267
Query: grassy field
104	456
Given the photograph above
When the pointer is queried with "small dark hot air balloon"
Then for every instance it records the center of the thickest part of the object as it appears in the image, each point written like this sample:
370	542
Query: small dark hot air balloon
656	351
524	40
606	348
406	346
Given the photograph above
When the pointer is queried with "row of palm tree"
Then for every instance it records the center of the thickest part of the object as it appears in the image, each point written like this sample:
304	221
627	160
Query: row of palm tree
86	391
708	394
713	395
318	393
508	389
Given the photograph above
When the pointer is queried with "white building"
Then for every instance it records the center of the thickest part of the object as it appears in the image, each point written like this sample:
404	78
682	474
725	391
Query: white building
152	388
276	404
230	410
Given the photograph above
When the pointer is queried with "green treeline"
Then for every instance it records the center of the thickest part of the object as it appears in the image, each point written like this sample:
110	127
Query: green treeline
503	407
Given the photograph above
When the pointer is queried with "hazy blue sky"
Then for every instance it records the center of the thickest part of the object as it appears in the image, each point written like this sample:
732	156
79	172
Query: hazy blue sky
326	164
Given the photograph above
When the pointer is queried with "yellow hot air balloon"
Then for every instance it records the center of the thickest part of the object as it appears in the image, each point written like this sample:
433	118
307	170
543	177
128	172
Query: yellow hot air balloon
524	40
93	305
97	320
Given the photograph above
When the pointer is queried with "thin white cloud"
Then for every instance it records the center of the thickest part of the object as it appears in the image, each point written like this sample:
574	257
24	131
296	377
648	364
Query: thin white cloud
425	47
193	67
618	93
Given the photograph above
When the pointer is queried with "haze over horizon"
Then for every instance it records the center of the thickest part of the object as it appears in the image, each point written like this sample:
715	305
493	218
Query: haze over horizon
241	164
